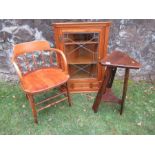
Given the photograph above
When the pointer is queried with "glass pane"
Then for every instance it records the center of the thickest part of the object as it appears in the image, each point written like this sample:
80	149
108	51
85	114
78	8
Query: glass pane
73	37
83	71
81	50
81	47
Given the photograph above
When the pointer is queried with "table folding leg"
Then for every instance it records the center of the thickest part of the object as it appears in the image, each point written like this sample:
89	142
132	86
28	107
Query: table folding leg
105	92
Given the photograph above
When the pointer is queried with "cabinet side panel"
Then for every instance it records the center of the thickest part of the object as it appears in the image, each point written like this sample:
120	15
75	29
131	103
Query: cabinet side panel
58	43
101	52
56	37
106	41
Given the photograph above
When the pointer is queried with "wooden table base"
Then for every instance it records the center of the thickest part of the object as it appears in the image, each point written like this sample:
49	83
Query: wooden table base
109	96
112	62
105	92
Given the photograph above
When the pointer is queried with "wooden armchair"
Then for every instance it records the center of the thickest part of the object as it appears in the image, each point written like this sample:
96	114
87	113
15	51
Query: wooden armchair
41	68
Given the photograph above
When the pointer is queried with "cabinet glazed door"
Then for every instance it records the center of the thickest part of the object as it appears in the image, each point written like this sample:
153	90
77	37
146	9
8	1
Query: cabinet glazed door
81	50
84	45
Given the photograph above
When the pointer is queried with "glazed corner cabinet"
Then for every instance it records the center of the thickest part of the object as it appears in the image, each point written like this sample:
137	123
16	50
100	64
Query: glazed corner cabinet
84	44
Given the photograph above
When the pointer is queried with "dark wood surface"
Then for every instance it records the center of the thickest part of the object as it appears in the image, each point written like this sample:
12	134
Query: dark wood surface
125	86
114	60
120	59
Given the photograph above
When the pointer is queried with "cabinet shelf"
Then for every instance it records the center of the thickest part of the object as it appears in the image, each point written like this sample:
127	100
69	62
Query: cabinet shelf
81	60
81	76
83	71
80	43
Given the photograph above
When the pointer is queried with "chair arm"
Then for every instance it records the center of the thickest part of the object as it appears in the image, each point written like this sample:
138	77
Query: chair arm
17	69
63	58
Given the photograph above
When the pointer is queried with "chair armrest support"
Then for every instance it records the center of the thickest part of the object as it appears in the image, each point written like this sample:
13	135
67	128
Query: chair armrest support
65	66
17	70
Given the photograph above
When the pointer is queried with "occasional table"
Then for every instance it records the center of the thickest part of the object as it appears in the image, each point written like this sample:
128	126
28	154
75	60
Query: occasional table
115	60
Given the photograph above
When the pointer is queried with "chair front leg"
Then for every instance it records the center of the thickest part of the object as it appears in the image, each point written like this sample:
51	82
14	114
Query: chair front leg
26	96
68	94
32	104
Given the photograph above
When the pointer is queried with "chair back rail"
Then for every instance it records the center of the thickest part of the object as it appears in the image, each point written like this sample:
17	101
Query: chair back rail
31	56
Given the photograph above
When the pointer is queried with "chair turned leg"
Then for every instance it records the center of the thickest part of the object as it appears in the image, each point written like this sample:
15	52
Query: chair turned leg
124	90
26	96
32	104
68	95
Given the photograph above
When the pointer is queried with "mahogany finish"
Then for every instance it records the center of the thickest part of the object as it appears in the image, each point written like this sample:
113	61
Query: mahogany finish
84	44
121	60
114	60
41	78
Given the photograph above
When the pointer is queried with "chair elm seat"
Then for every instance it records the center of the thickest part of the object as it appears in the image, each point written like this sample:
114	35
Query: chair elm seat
43	79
